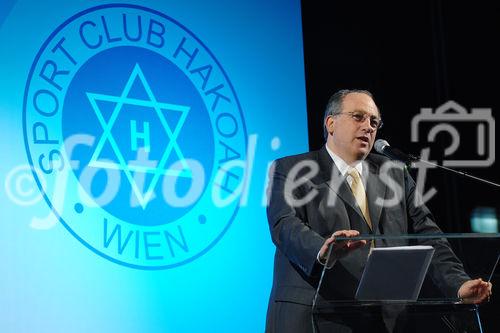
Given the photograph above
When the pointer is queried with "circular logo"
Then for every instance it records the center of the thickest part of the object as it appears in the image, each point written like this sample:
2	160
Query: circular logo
135	136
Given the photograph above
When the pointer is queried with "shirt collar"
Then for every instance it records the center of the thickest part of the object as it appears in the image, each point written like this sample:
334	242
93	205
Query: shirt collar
341	164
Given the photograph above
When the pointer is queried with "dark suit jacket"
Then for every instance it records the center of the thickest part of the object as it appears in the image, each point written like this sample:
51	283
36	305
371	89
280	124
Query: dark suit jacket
299	232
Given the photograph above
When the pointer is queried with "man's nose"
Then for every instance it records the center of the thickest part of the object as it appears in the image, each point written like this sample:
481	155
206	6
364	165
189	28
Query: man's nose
367	126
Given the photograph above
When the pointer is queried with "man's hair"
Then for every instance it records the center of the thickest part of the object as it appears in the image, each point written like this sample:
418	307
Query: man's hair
334	105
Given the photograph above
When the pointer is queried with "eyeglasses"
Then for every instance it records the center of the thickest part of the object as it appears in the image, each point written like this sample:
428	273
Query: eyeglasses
360	117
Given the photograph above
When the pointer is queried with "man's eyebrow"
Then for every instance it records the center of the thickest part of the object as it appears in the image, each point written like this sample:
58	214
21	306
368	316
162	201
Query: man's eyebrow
366	112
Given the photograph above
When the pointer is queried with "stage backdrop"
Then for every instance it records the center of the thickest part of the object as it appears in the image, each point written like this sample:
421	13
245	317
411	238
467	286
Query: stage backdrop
135	143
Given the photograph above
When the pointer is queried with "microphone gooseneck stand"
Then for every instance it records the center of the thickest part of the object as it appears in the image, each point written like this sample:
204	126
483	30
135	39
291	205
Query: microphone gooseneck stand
461	173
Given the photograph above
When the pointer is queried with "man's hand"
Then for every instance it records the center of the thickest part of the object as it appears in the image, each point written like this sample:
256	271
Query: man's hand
340	249
475	291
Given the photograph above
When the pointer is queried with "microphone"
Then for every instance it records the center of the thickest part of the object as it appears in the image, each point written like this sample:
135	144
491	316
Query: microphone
383	147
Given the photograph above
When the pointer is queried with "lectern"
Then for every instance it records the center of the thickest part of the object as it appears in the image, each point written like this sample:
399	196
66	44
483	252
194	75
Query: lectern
422	316
419	315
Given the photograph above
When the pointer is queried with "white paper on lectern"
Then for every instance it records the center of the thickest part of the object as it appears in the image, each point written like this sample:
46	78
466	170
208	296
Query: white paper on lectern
394	273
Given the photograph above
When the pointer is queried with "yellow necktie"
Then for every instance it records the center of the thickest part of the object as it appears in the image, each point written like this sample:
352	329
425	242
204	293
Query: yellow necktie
358	190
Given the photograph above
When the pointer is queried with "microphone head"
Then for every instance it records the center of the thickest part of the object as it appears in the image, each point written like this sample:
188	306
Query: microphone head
380	145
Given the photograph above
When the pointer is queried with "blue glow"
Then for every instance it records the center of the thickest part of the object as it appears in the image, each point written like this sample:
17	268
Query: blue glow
484	219
216	275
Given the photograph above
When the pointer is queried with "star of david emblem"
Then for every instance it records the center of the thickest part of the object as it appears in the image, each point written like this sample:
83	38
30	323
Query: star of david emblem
149	104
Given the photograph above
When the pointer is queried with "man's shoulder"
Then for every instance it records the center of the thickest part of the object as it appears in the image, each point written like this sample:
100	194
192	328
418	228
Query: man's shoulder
382	164
377	159
294	159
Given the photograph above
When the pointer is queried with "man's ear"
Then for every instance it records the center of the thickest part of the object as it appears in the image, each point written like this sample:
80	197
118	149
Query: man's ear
329	124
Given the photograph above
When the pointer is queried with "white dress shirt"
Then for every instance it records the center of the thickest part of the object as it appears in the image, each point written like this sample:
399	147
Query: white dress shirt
343	166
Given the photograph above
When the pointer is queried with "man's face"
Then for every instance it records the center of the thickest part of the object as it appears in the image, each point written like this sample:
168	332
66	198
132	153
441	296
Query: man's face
352	138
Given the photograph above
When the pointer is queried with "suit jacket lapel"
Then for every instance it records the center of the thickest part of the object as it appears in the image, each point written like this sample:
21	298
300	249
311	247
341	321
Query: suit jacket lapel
375	189
374	186
330	174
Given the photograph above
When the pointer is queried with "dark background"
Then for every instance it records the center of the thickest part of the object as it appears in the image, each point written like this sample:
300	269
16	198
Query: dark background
412	55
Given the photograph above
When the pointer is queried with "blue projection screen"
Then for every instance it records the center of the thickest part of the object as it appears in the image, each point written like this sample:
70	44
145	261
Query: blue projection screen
136	141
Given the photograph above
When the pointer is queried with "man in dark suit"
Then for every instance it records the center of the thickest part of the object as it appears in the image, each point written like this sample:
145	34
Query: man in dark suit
343	190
